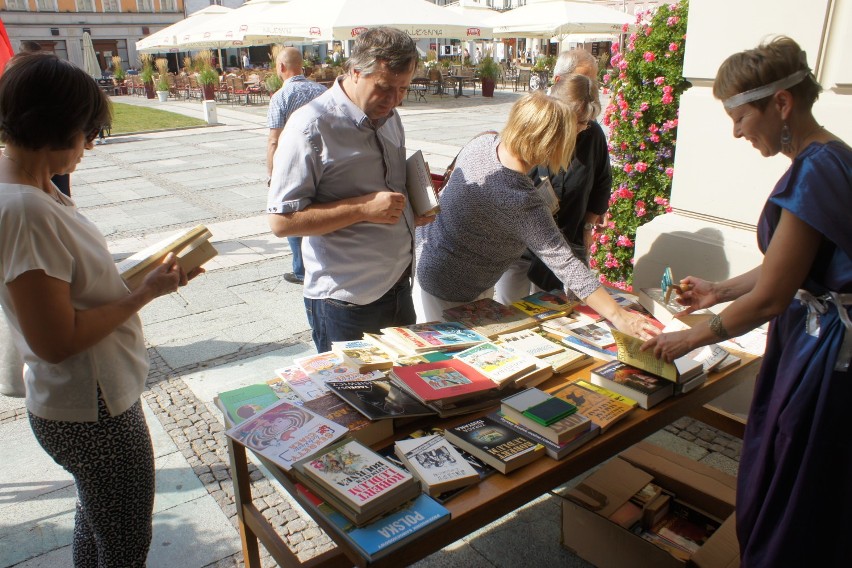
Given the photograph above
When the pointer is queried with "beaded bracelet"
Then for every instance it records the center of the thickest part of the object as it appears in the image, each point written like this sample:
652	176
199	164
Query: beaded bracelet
717	328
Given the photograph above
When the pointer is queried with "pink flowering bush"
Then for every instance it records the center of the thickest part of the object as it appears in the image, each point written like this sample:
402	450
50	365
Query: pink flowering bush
645	84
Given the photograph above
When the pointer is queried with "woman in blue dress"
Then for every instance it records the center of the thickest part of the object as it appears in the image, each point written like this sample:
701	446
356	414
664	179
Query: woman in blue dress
794	495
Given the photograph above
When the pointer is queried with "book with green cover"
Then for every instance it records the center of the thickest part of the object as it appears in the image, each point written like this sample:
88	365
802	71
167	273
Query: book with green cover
247	401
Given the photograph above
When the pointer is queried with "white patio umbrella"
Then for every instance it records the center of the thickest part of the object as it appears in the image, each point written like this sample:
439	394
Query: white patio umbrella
257	22
167	39
90	58
266	21
550	18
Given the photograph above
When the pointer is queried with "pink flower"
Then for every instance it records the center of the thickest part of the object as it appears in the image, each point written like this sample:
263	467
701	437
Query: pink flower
623	193
640	208
606	79
594	248
659	81
637	114
654	138
648	31
628	168
593	263
644	106
661	200
622	64
641	147
669	172
624	145
653	128
603	239
623	29
641	166
614	48
635	122
624	241
649	56
672	46
624	113
672	20
667	99
668	89
622	75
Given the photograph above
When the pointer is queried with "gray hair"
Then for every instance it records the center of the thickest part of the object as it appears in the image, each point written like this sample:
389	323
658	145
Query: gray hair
385	45
580	93
569	61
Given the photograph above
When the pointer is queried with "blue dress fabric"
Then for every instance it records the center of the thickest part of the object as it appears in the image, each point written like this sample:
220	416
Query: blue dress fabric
794	494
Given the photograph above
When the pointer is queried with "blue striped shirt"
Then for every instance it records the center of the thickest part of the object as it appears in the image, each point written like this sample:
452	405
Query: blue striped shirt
295	92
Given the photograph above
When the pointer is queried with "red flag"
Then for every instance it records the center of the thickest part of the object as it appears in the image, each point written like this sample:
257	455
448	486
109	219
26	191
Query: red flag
6	51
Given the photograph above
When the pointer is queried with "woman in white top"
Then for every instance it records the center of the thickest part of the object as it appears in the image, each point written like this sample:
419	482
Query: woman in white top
73	318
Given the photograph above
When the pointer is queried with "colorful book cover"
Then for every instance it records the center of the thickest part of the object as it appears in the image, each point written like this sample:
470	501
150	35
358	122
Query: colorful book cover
380	399
305	387
595	334
433	336
499	365
632	378
286	433
496	444
247	401
555	303
489	317
607	392
364	355
284	391
600	409
530	342
443	380
389	532
330	366
559	432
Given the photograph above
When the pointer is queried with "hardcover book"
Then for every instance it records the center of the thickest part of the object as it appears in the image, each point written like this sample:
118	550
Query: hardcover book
418	182
444	381
363	355
380	399
497	445
558	432
600	409
285	433
436	463
499	365
546	305
648	390
305	387
362	429
360	483
489	317
384	535
432	336
191	246
247	401
555	451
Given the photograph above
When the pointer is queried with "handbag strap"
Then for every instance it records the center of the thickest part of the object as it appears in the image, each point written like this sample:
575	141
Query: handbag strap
452	166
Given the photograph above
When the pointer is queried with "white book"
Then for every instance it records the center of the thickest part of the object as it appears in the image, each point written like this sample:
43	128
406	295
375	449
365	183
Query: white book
499	365
530	342
418	181
436	463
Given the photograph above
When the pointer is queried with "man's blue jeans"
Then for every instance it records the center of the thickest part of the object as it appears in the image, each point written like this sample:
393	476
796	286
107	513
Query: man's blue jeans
296	246
334	320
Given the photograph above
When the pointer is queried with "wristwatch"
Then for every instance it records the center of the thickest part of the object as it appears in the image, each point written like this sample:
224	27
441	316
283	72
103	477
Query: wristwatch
588	227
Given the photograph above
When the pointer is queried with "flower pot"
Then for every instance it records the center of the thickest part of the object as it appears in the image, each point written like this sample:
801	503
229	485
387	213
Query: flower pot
163	96
209	92
149	90
488	87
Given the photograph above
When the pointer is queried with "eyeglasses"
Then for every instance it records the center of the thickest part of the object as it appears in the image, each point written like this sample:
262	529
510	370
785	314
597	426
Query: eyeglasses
90	137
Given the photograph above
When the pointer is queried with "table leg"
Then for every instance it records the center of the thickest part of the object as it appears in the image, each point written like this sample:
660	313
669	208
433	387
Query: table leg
242	494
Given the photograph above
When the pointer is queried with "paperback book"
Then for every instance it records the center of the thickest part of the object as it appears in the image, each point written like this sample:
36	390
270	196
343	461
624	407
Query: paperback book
285	433
247	401
599	408
496	444
305	387
444	381
361	428
357	481
606	392
489	317
191	247
330	366
530	342
384	535
629	351
517	406
284	391
551	449
597	335
380	399
363	355
500	365
648	390
432	336
546	305
418	182
436	463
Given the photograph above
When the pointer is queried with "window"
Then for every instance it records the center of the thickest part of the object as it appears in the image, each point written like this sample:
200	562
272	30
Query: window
168	6
111	5
46	6
85	5
17	5
144	5
216	2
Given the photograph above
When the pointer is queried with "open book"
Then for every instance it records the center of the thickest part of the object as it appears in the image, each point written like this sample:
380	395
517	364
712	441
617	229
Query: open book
191	246
418	181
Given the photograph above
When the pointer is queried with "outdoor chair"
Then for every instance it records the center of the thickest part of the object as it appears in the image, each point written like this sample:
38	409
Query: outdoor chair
522	81
418	87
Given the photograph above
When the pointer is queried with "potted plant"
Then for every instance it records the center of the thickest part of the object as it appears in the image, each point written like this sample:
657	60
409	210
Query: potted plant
207	77
488	73
118	75
163	79
146	74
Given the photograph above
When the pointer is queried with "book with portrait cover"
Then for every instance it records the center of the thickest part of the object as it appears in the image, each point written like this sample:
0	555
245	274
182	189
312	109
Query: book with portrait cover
496	444
646	389
436	463
489	317
359	483
379	400
600	409
444	381
285	433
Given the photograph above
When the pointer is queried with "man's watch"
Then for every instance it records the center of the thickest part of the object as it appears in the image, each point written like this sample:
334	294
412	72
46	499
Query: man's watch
589	227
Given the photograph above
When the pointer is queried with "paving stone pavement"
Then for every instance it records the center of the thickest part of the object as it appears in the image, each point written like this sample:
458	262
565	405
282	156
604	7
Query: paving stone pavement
233	326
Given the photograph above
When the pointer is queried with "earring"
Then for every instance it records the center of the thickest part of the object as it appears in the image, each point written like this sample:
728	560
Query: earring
786	139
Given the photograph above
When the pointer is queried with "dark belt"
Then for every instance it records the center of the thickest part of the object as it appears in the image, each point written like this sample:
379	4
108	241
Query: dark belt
404	279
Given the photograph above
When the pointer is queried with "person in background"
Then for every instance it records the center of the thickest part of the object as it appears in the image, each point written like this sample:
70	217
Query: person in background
295	92
583	188
246	60
72	316
491	213
338	179
793	483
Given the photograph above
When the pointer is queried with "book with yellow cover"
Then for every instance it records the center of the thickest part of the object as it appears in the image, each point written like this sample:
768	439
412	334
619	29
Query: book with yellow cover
679	371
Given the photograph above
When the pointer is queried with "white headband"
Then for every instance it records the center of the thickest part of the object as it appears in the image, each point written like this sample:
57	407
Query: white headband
766	90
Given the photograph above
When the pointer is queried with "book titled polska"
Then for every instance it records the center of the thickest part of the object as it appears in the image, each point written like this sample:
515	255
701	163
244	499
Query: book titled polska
285	433
489	317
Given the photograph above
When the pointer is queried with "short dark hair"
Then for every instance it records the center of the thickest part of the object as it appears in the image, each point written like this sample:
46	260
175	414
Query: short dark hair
29	46
390	46
45	102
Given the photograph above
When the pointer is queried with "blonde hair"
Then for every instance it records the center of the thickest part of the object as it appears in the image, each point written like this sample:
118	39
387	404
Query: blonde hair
541	130
580	93
770	61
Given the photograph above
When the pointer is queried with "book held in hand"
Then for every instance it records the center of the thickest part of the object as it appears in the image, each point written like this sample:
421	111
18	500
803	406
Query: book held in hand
436	463
496	444
489	317
629	351
191	247
285	433
418	182
648	390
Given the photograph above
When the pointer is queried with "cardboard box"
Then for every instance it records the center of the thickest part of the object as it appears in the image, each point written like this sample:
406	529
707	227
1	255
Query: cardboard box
588	532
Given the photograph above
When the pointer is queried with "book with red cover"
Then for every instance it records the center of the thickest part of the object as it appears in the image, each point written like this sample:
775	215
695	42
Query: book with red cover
444	381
